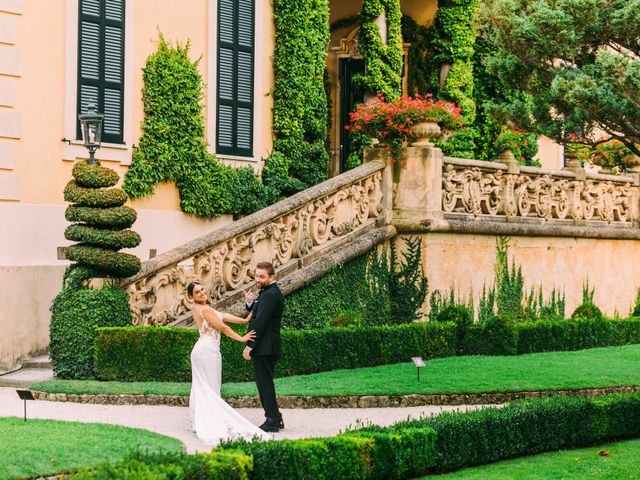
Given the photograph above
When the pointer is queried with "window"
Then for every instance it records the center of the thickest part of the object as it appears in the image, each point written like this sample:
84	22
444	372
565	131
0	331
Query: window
101	64
234	95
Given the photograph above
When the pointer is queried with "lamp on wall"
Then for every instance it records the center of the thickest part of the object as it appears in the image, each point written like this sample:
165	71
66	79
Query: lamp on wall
91	122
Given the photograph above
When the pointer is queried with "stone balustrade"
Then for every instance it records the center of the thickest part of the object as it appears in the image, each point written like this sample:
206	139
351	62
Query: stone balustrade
508	189
290	234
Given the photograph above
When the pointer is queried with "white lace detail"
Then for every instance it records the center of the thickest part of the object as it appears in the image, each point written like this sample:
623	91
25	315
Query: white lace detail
207	329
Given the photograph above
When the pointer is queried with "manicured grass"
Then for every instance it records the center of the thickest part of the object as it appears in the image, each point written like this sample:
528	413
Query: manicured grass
585	463
46	447
597	367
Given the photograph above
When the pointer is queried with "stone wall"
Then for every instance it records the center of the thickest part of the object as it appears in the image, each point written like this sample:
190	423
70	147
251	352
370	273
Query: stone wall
565	226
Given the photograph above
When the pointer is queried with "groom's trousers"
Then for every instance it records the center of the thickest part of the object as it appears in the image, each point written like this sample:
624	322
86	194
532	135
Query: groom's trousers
263	366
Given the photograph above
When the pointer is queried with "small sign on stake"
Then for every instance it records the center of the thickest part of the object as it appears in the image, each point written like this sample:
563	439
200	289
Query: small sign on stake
419	363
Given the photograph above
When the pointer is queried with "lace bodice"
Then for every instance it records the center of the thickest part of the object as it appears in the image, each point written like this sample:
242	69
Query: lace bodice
206	329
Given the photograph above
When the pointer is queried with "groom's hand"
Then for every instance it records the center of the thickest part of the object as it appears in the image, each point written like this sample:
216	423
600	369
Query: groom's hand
246	353
248	297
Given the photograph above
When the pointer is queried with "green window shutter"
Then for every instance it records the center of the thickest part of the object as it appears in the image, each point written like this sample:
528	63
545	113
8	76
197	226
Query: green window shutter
101	64
234	96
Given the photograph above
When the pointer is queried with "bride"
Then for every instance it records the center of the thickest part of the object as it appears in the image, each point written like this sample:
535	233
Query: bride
213	419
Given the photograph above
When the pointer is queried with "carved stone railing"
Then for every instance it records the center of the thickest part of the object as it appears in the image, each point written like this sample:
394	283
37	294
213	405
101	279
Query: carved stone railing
290	234
495	189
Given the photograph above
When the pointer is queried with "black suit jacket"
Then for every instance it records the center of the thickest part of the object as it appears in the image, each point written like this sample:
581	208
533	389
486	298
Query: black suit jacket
267	314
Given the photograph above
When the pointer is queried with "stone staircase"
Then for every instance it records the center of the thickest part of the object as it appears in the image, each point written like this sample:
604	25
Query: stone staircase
303	236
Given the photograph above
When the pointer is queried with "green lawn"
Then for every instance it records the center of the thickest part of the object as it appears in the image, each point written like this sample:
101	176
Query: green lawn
46	447
597	367
585	463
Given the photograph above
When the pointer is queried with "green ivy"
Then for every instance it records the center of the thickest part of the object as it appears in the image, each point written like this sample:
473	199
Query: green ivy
384	61
300	158
173	147
420	38
365	286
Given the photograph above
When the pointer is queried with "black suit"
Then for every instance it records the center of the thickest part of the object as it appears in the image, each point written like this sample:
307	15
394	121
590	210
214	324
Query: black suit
266	348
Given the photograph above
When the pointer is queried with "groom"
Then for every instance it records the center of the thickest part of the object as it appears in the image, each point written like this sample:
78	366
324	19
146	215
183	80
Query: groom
265	350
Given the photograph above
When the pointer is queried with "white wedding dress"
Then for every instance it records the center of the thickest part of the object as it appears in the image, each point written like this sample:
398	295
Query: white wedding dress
212	418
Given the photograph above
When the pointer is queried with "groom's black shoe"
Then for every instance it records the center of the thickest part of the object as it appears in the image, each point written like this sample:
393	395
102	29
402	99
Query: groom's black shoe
281	424
270	427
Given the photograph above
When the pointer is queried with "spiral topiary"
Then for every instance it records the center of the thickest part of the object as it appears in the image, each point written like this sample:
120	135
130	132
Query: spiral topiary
101	217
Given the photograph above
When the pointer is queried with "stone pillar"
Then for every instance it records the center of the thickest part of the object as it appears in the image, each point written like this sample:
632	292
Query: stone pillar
371	154
417	186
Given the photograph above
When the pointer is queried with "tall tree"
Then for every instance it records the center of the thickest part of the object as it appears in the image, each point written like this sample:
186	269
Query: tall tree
579	60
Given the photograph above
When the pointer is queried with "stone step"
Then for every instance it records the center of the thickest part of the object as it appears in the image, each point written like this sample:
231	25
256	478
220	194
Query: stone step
42	361
25	377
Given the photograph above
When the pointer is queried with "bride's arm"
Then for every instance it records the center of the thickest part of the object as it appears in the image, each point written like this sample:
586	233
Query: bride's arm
227	317
216	322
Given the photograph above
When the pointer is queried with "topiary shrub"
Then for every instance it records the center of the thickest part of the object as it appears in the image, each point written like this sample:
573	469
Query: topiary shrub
102	216
587	310
76	313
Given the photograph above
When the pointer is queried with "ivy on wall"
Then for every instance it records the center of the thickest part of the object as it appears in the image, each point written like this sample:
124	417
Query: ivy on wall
300	158
451	67
420	38
383	61
173	146
366	287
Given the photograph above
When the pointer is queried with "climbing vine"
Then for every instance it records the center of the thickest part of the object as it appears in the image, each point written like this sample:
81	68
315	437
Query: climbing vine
300	158
173	146
451	67
384	61
420	38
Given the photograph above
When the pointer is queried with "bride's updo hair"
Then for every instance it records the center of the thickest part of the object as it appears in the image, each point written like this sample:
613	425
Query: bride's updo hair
190	288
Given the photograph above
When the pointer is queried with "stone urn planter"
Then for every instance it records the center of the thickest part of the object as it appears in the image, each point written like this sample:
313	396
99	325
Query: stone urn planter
422	133
506	156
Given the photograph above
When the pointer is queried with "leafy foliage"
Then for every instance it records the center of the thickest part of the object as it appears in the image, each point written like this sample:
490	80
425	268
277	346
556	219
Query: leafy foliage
367	285
173	146
383	59
76	314
578	60
300	158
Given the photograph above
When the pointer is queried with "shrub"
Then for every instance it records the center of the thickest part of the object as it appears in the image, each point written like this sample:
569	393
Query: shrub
221	465
461	317
75	316
493	337
163	353
402	454
587	310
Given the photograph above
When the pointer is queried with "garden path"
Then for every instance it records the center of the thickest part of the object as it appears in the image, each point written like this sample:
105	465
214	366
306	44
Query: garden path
174	421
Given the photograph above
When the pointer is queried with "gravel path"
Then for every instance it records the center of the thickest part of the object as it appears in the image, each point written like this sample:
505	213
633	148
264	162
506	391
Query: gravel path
174	421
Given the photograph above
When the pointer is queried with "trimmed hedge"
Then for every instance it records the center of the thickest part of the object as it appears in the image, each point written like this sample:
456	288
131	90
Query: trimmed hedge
408	449
219	465
163	353
448	441
500	337
75	316
526	427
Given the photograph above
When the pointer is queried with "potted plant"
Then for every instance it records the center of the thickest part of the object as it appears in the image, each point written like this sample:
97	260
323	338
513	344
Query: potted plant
393	123
511	143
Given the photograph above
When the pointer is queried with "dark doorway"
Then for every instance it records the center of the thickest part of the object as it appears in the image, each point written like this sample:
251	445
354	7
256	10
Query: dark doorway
350	95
